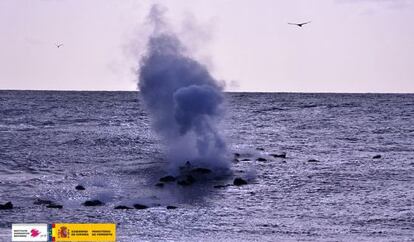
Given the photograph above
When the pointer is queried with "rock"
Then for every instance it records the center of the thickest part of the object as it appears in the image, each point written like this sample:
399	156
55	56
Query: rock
80	188
6	206
261	159
54	206
171	207
235	160
236	155
167	179
122	207
201	170
282	155
159	184
239	182
42	202
245	159
376	157
140	206
189	180
313	160
259	148
91	203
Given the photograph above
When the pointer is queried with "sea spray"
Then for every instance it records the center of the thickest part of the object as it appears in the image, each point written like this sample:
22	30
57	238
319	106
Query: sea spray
185	102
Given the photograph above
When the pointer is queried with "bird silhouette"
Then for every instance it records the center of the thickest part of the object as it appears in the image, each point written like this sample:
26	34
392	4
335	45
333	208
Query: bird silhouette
59	45
300	24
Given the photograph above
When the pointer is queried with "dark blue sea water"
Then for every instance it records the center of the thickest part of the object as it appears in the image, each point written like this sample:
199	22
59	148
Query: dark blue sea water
52	141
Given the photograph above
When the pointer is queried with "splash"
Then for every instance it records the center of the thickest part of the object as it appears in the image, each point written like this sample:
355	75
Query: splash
185	102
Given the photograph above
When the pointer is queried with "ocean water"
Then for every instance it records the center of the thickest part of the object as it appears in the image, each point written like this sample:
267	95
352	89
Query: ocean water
52	141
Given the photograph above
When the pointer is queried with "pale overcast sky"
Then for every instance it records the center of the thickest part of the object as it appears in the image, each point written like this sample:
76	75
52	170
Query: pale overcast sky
350	46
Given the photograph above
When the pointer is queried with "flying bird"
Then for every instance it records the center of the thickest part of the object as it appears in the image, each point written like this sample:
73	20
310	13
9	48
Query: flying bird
59	45
300	24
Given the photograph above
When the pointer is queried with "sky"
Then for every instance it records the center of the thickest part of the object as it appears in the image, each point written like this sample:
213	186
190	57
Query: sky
356	46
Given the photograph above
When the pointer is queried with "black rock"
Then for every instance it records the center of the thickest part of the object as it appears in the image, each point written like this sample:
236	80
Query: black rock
159	184
236	155
259	148
140	206
261	159
171	207
239	182
183	183
122	207
42	202
80	188
167	179
54	206
282	155
245	159
235	160
5	206
93	203
201	170
376	157
313	160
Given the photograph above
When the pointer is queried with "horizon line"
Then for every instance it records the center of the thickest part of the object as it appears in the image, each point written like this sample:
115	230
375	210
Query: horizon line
230	91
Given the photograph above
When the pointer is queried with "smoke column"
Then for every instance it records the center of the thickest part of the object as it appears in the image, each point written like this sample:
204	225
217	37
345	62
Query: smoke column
183	99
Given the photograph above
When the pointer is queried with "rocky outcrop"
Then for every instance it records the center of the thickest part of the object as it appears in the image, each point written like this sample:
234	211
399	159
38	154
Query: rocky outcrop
140	206
239	182
80	188
92	203
167	179
281	155
6	206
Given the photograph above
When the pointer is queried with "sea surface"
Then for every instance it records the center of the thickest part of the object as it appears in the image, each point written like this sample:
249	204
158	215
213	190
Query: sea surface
51	142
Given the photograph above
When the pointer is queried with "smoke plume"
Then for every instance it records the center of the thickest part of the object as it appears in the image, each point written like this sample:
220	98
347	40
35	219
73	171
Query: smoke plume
183	99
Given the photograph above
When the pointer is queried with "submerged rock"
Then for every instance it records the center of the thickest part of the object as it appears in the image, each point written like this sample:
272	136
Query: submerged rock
91	203
376	157
6	206
281	155
54	206
42	202
140	206
189	180
313	160
167	179
261	159
239	182
80	188
201	170
159	184
235	160
221	186
259	148
171	207
122	207
246	159
236	155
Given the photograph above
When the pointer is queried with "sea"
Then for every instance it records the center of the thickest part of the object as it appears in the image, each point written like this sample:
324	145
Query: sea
348	172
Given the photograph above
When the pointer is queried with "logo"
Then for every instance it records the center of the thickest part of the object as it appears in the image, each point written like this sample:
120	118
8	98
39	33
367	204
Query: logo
34	232
63	232
30	232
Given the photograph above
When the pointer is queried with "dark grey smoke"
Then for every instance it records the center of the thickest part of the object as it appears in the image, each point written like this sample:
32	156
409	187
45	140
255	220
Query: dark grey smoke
184	100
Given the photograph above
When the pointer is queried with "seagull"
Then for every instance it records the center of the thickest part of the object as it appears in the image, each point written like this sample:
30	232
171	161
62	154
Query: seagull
300	24
59	45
